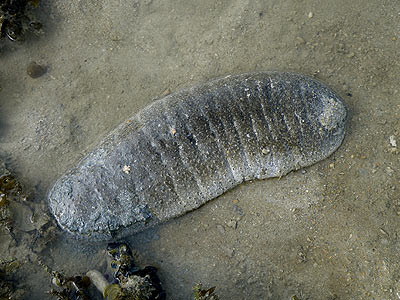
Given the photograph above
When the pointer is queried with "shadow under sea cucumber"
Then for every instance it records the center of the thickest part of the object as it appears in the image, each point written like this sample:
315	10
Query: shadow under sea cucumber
192	146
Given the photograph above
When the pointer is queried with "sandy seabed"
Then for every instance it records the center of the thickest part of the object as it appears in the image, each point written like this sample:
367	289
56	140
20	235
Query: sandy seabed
327	232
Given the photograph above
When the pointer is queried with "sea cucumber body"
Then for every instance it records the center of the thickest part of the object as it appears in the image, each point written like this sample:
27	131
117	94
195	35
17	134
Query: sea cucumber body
194	145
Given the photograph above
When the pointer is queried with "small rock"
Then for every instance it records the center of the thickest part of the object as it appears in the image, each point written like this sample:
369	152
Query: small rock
232	224
35	70
389	171
126	169
238	210
221	229
392	141
310	15
300	41
228	251
166	92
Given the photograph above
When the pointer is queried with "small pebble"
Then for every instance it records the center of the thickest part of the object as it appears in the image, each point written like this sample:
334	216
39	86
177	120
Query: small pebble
389	171
34	70
383	231
300	41
228	252
126	169
221	229
351	55
392	141
166	92
310	15
232	224
238	210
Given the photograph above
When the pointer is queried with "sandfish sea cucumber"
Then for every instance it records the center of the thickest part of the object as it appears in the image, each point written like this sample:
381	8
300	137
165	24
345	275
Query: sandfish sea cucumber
192	146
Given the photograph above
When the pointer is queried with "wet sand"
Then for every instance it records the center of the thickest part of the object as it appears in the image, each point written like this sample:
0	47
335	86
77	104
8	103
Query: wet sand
328	232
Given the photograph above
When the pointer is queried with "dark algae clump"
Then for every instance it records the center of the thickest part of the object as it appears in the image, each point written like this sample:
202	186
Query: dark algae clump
8	289
129	281
15	19
202	294
194	145
8	187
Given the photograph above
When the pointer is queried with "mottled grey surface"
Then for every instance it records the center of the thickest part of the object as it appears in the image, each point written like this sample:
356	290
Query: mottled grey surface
193	146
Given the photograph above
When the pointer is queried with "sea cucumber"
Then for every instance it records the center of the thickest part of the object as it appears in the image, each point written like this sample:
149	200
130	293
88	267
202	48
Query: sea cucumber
192	146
